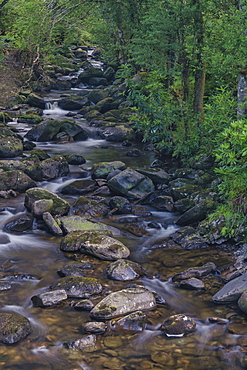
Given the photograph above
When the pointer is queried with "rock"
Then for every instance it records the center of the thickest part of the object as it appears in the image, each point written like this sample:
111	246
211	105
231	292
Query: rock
123	302
163	203
242	302
77	223
192	283
35	100
52	224
109	73
10	146
197	213
49	169
97	81
135	321
41	206
188	238
13	328
134	227
50	298
157	175
79	269
79	187
84	343
74	130
120	205
89	208
75	159
211	230
14	164
124	270
183	205
104	247
30	117
183	189
15	180
102	170
78	286
106	104
195	272
84	305
178	325
19	223
97	95
60	206
117	133
44	131
232	291
95	327
131	184
75	239
71	103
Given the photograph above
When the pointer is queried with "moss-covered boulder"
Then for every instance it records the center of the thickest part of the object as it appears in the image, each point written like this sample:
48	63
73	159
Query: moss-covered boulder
131	184
35	100
103	169
10	146
178	325
197	213
78	223
97	95
117	133
73	130
15	180
13	328
60	206
97	244
123	302
78	286
49	169
30	117
189	238
157	175
89	208
44	131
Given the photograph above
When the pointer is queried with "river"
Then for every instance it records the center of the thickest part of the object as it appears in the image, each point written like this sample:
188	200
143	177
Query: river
37	256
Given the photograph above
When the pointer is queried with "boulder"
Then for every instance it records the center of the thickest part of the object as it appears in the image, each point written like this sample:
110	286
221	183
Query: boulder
79	269
41	206
242	302
74	240
183	205
15	180
131	184
124	270
197	213
188	238
106	104
49	169
78	286
10	146
44	131
50	298
75	159
178	325
79	187
13	328
232	291
19	223
193	284
97	81
35	100
103	169
84	305
157	175
74	130
104	247
117	133
120	205
60	206
78	223
97	95
71	103
123	302
89	208
30	117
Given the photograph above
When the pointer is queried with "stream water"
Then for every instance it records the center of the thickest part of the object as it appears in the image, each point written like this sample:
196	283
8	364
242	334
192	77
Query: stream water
37	255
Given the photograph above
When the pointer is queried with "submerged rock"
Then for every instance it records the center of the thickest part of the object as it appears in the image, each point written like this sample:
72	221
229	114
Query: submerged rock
19	223
242	302
95	327
79	187
83	343
13	328
78	286
178	325
123	302
135	321
195	272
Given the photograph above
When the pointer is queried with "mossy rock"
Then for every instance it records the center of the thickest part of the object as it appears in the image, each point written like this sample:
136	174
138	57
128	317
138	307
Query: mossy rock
73	223
13	328
60	206
10	146
15	180
44	131
29	118
78	286
97	95
103	169
75	239
178	325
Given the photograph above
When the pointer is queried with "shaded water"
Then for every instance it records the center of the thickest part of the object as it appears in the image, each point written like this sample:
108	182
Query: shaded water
36	255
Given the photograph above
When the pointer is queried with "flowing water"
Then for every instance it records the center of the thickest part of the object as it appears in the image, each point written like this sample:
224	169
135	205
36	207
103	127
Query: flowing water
33	259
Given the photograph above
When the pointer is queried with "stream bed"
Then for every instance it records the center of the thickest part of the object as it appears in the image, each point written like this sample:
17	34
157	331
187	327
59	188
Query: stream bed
36	255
